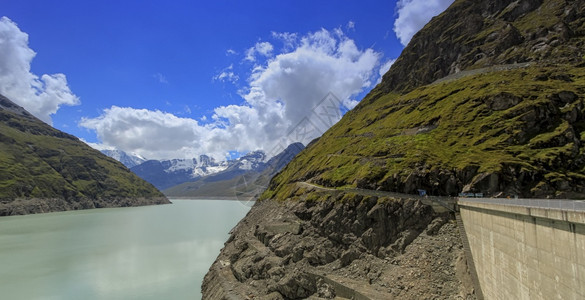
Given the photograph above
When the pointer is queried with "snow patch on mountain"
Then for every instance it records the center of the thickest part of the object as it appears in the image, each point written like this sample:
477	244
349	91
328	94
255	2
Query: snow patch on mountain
128	159
181	165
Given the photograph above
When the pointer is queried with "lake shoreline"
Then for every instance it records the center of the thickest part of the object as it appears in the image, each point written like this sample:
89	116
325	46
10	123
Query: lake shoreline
212	198
31	206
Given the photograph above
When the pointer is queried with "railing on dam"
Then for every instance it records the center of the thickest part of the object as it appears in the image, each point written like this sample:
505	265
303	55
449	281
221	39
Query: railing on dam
560	204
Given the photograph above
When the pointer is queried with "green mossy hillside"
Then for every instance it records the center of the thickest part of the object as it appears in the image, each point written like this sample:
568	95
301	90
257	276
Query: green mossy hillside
486	98
38	161
518	131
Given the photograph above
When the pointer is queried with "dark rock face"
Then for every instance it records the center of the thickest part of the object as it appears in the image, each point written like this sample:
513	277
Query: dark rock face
501	101
299	249
473	34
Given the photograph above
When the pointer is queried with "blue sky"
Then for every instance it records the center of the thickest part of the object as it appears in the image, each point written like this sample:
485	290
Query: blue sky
180	78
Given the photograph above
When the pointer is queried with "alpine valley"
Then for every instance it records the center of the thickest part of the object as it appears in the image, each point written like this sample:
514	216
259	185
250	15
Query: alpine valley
241	178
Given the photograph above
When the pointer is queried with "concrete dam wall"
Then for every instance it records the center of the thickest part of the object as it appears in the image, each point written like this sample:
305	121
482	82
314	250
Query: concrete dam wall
527	249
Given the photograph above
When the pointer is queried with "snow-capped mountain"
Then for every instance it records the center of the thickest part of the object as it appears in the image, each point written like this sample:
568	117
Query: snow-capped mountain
129	160
251	161
244	179
167	173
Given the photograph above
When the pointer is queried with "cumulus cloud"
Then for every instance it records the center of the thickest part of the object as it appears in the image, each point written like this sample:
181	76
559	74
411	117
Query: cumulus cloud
322	63
229	52
263	48
414	14
291	96
154	133
42	96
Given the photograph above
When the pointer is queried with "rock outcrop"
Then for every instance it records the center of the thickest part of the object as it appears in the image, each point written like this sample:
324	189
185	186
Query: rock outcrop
471	35
341	245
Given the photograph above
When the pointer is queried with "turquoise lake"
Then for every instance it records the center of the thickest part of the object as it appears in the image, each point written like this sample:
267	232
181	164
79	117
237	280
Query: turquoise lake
150	252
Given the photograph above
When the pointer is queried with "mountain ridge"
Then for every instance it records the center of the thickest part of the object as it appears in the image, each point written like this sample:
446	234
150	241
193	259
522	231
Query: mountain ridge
476	35
165	174
43	169
513	114
236	182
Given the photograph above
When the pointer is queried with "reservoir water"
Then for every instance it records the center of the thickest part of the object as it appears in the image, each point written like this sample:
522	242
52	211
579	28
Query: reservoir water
150	252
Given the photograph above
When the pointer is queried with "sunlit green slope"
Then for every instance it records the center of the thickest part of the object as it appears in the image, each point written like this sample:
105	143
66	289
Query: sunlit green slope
506	117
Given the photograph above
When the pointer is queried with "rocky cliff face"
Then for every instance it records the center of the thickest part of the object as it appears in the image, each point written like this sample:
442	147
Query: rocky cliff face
341	245
472	34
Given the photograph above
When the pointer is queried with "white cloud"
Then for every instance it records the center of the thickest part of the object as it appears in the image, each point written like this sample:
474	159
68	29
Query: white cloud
229	52
414	14
350	103
321	64
42	96
263	48
385	67
98	146
149	133
288	39
282	92
161	78
227	74
350	25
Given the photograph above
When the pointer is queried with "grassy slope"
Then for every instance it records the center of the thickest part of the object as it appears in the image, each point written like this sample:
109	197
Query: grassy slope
38	161
377	141
501	130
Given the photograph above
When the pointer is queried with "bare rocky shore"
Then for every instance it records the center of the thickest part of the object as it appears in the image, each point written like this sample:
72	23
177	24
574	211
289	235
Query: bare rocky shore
342	246
44	205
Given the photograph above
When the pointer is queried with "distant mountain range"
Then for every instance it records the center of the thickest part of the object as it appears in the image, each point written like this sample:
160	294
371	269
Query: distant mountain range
166	174
244	179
